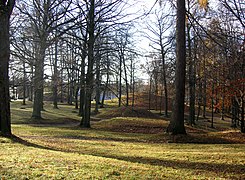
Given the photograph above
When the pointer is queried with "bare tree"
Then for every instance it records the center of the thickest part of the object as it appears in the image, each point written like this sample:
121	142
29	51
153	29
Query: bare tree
100	16
44	17
161	42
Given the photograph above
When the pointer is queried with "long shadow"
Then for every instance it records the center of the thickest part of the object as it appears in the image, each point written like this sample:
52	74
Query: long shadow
17	139
187	139
191	138
104	139
225	169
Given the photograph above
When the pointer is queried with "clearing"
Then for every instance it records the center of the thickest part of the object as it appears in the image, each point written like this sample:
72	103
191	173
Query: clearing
117	147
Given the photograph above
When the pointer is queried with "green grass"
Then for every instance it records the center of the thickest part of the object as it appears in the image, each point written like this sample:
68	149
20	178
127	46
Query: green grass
21	114
55	151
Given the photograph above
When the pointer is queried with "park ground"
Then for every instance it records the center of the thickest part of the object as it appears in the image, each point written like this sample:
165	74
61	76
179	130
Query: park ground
121	144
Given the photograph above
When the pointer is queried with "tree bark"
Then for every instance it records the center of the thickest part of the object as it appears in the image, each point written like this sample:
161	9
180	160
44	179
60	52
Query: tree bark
5	118
38	81
120	83
41	33
176	125
149	102
97	91
82	79
89	76
55	76
242	115
204	89
164	82
24	84
125	76
191	81
107	79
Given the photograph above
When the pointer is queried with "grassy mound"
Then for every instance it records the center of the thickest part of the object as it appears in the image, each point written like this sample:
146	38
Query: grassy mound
132	125
127	112
156	129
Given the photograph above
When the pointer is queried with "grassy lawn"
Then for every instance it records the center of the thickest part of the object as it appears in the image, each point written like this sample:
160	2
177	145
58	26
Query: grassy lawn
117	148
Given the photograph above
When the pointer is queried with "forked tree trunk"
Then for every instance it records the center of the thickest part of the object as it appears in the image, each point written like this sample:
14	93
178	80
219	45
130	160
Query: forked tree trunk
176	125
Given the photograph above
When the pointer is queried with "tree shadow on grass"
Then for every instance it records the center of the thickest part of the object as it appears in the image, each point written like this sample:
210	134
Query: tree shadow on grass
224	169
157	137
17	139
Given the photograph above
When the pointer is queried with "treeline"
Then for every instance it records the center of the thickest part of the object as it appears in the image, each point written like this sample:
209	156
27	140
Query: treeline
76	51
81	50
215	63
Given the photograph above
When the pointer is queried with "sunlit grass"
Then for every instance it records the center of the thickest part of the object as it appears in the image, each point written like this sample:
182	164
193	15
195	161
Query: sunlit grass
22	113
55	151
88	155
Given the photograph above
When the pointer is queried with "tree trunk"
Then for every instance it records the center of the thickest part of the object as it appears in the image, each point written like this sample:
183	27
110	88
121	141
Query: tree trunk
38	81
5	120
5	127
61	78
82	79
32	83
156	93
191	81
126	80
24	84
89	76
120	83
103	96
132	83
199	99
149	104
55	77
82	97
107	80
164	83
204	90
233	112
133	88
70	88
176	125
76	96
212	106
97	91
242	115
